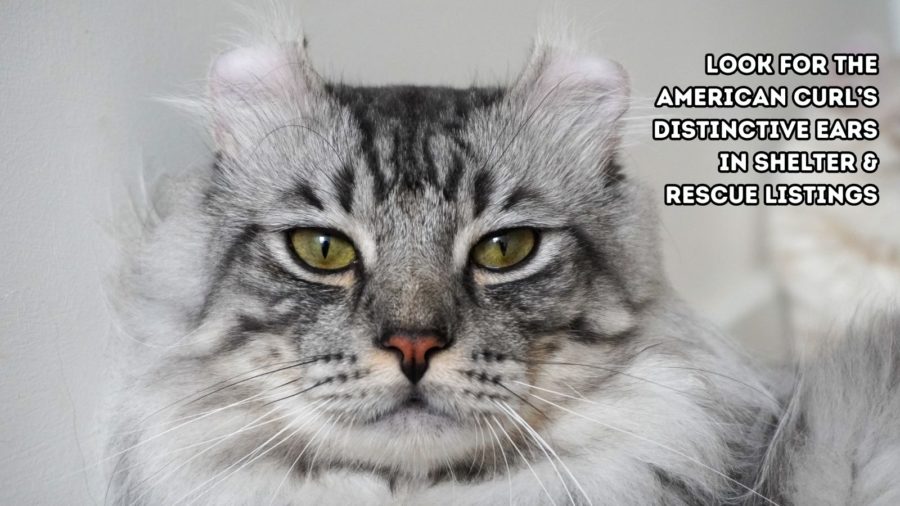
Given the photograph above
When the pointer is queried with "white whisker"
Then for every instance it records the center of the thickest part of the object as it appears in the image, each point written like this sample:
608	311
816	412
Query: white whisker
542	442
505	460
250	456
192	419
524	459
294	463
225	438
216	440
543	450
647	440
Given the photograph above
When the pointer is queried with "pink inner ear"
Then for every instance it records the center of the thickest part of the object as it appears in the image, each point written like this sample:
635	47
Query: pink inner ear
586	71
245	70
243	79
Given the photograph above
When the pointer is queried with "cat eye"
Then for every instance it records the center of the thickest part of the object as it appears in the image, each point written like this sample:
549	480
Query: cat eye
504	249
325	250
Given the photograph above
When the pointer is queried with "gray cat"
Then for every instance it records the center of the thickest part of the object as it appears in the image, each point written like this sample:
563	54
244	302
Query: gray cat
417	295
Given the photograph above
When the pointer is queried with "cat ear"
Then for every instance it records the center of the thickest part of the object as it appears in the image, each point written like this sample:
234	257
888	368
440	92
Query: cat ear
561	76
577	97
251	87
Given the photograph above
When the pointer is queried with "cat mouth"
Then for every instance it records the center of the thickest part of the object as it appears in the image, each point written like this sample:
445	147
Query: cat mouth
414	400
414	408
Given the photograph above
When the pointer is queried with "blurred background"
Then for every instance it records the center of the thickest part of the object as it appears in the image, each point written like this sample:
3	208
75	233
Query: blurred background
79	126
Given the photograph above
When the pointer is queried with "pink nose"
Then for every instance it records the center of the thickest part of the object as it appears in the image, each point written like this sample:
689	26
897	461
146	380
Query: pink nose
415	351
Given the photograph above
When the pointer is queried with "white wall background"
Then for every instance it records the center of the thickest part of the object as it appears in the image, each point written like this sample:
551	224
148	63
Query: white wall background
77	122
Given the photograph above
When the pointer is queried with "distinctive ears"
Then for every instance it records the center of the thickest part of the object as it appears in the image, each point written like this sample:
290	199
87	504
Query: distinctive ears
575	97
250	88
562	75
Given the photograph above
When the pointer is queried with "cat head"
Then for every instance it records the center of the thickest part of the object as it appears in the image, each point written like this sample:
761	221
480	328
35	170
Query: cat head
396	266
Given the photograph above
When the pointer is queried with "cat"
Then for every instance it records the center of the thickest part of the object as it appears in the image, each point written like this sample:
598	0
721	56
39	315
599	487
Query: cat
429	295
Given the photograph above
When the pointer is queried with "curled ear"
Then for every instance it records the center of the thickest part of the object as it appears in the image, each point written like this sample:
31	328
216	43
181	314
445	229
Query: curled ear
250	88
563	77
572	102
574	97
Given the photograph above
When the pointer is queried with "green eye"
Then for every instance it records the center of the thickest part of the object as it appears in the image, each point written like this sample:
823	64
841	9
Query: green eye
504	249
322	249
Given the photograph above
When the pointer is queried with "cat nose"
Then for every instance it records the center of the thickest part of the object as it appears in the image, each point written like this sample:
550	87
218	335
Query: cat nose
415	349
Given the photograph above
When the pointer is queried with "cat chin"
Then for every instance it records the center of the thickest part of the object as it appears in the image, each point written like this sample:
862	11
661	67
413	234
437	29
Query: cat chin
417	417
411	440
413	424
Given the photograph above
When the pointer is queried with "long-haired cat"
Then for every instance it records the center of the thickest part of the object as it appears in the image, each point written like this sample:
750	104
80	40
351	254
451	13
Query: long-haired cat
428	295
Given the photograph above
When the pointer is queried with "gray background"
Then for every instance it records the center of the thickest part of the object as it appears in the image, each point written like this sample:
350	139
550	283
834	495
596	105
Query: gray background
78	126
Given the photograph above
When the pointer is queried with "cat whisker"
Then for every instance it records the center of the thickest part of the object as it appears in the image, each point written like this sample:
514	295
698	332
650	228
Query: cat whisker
576	392
498	444
303	391
189	420
626	408
641	438
280	366
249	426
287	473
162	473
484	444
539	442
300	455
524	459
293	365
526	401
195	418
259	451
478	435
152	438
449	466
331	425
543	443
612	369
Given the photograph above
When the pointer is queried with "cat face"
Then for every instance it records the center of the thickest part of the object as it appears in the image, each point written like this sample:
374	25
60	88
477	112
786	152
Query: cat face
391	269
